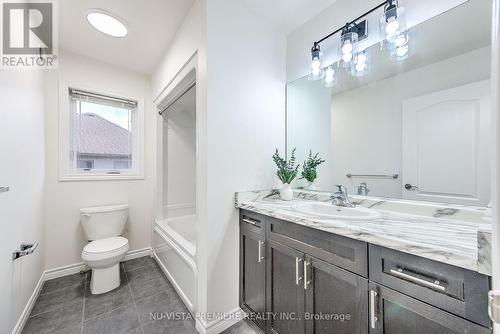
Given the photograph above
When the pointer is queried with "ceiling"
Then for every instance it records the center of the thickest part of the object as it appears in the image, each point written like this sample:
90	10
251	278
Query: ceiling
286	15
151	23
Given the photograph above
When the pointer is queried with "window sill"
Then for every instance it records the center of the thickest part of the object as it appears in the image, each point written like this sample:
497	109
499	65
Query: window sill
100	177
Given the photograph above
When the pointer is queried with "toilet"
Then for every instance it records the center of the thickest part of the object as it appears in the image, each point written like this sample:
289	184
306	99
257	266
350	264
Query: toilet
103	227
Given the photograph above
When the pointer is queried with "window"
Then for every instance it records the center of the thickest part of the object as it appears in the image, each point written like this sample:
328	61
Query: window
102	134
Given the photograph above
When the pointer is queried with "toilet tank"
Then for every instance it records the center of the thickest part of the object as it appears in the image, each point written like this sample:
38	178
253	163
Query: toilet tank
101	222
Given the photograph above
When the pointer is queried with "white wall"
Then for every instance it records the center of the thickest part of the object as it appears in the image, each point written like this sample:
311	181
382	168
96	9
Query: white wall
64	236
246	101
22	168
366	113
190	43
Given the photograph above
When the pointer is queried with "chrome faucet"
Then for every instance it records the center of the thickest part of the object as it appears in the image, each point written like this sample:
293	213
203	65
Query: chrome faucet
363	189
340	197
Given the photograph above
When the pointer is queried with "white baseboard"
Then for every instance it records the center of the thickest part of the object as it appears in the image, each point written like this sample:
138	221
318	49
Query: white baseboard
29	306
77	267
219	325
61	272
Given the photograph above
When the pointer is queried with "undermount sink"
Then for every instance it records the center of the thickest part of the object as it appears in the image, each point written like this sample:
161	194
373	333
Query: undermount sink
328	210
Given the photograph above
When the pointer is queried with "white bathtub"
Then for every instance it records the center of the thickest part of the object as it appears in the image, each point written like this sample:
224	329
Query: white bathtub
174	246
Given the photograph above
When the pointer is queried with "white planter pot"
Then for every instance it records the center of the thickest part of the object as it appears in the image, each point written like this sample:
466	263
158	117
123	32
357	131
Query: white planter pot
311	186
286	193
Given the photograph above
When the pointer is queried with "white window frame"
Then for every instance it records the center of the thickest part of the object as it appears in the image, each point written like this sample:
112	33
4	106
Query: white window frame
66	172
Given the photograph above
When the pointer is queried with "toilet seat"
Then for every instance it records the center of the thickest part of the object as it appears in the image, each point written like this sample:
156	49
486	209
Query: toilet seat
105	248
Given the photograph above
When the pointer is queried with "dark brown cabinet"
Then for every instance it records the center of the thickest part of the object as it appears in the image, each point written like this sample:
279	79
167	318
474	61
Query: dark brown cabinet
336	300
298	280
285	302
253	275
392	312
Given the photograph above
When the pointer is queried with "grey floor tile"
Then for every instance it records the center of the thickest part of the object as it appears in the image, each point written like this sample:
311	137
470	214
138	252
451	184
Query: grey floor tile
62	282
59	298
172	327
119	321
243	327
150	288
61	318
98	304
74	329
163	310
144	274
141	262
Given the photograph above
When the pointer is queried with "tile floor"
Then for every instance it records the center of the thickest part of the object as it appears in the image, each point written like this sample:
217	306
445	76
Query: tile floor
66	306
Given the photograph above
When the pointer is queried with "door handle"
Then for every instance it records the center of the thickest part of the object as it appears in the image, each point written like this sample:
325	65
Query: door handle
306	281
297	275
410	187
436	285
248	221
25	249
261	243
4	189
373	315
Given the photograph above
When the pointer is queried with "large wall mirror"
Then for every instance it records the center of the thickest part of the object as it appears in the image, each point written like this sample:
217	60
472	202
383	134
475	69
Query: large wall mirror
418	128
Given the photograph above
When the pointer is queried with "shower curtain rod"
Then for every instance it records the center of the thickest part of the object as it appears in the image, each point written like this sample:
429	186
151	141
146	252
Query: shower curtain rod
177	97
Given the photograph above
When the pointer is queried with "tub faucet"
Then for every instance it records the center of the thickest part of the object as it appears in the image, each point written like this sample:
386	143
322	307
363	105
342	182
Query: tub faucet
340	197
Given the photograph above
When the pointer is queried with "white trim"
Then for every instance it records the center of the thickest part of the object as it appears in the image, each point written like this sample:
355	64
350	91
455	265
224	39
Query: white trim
29	306
189	304
180	206
65	172
182	252
219	325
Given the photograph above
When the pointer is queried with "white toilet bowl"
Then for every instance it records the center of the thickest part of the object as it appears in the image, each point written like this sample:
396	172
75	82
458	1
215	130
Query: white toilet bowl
104	256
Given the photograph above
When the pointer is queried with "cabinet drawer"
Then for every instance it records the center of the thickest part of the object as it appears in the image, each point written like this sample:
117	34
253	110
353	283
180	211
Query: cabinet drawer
343	252
253	222
456	290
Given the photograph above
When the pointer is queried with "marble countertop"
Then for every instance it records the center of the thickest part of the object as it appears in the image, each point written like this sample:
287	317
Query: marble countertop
445	239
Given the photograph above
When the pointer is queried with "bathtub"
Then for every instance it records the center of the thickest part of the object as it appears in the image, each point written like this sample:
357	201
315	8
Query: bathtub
174	247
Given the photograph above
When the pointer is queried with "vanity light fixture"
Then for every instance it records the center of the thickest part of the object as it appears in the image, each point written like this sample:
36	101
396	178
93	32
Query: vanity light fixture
106	23
316	72
394	36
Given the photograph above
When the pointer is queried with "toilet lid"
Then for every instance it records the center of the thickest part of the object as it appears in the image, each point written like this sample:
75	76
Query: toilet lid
106	245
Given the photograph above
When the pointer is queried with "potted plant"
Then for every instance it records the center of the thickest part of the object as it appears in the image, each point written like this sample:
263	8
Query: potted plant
309	172
287	171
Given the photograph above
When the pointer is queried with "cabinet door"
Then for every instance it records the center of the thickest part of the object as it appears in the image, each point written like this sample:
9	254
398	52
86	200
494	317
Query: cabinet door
253	275
336	300
285	289
394	313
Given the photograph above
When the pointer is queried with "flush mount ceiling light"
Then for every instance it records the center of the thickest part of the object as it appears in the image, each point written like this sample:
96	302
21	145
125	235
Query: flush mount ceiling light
106	23
394	35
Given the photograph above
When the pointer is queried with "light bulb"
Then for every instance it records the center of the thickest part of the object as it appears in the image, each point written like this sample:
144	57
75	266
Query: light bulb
347	47
329	72
316	64
329	79
316	71
361	58
347	57
402	51
392	26
360	66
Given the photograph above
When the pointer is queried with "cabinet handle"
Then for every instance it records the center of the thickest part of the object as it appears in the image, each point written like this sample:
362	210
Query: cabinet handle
373	316
261	243
306	282
297	276
248	221
436	285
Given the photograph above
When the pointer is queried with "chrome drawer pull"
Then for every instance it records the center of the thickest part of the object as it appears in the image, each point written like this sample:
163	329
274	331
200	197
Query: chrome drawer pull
261	243
433	285
373	316
297	277
248	221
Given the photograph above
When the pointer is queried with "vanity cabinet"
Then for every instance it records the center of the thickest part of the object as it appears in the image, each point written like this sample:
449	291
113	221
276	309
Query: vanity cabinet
307	281
253	266
392	312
